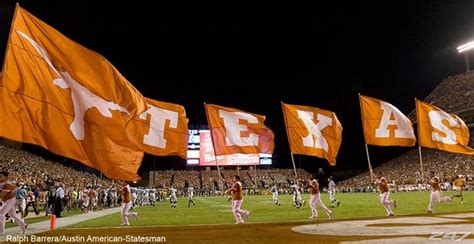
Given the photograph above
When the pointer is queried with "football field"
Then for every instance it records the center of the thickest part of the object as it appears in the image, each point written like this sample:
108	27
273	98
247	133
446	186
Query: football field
217	210
211	220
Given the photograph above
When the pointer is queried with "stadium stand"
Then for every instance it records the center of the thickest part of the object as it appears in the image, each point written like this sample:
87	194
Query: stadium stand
454	94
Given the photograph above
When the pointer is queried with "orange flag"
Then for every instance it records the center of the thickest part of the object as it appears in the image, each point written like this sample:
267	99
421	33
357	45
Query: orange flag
68	99
384	124
441	130
162	130
313	131
236	131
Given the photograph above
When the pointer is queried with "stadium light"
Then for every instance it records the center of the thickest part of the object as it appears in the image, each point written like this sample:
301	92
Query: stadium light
464	48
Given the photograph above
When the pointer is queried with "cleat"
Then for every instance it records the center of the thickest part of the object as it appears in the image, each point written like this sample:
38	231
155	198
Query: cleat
330	215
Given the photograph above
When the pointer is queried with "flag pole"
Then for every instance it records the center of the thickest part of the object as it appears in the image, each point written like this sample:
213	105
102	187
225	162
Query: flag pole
154	171
419	146
294	167
421	164
214	148
255	175
289	141
371	171
238	168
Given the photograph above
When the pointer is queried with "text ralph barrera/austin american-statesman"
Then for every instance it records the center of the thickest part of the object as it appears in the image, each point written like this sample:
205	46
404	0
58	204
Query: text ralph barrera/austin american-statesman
89	238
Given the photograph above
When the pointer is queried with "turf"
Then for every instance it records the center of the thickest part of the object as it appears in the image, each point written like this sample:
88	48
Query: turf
42	217
217	210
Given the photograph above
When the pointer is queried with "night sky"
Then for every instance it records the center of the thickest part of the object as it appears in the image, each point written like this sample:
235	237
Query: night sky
252	57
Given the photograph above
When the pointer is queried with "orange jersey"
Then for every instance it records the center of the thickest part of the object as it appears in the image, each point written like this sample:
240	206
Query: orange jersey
459	182
314	187
237	191
11	194
126	194
92	193
382	184
435	184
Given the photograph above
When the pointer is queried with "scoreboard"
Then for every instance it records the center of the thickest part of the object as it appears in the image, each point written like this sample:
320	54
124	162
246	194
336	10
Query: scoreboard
201	152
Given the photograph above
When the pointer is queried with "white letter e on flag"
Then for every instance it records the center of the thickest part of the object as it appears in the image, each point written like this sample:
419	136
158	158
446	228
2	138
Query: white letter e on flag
234	129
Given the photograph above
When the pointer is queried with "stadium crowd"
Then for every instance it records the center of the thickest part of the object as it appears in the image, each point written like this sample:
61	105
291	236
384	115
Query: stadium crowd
404	172
39	179
462	85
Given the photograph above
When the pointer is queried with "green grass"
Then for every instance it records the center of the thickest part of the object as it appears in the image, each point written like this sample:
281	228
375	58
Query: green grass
216	210
41	217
